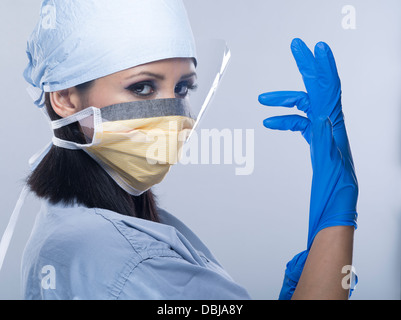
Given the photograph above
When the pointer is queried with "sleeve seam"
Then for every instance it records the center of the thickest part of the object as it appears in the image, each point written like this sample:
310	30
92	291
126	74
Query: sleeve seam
166	254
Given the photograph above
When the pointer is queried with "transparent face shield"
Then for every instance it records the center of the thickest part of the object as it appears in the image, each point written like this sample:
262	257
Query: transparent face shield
137	141
213	59
174	111
195	82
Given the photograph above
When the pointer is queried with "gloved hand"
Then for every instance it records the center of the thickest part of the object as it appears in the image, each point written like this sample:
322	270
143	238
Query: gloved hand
334	185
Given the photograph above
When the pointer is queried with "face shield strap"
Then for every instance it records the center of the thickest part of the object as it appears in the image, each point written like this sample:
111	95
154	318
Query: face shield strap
8	233
38	96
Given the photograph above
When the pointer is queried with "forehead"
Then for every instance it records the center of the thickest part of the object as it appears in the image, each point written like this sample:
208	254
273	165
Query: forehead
166	68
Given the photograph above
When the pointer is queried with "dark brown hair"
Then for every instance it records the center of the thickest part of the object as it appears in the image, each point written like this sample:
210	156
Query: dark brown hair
72	176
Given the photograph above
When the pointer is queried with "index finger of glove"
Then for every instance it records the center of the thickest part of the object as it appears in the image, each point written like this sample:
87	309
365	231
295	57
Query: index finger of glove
288	99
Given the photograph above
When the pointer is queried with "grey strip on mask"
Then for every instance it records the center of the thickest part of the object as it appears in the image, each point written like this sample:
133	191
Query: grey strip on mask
147	109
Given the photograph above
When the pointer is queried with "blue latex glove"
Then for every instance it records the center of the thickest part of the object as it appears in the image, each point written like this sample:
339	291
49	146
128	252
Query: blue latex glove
334	185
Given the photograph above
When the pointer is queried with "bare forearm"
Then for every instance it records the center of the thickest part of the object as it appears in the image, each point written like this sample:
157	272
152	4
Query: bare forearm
322	275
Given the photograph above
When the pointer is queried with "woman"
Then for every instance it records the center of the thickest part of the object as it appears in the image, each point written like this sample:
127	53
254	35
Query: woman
109	73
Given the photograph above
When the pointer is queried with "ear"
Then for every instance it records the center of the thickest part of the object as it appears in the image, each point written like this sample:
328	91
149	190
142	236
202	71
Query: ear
65	102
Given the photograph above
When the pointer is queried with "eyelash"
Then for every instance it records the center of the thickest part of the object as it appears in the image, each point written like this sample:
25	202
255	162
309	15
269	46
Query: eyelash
136	86
140	85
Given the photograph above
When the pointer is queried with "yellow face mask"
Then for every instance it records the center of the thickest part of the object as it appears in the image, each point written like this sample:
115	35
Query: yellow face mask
136	143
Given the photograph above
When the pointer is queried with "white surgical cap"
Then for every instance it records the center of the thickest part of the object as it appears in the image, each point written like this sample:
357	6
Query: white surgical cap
76	41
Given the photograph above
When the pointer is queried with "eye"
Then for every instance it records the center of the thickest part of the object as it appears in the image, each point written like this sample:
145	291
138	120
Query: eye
142	89
182	89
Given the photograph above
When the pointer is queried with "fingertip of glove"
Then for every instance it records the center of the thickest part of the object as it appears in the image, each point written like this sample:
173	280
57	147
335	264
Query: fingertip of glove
266	123
271	123
322	47
296	42
262	98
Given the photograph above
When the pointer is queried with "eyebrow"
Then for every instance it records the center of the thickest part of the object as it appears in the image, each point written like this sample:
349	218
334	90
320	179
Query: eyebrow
159	76
189	75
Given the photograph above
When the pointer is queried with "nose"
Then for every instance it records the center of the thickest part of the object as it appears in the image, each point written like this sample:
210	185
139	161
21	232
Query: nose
168	94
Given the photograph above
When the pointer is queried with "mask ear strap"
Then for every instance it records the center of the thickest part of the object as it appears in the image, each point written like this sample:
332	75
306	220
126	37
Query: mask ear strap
97	125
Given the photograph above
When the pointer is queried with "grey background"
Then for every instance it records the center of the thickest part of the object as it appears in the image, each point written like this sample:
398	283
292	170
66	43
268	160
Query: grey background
253	224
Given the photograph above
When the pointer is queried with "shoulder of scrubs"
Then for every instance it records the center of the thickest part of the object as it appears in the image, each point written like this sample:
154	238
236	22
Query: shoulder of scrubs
169	219
100	254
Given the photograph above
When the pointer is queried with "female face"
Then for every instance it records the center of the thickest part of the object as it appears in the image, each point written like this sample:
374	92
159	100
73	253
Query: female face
169	78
